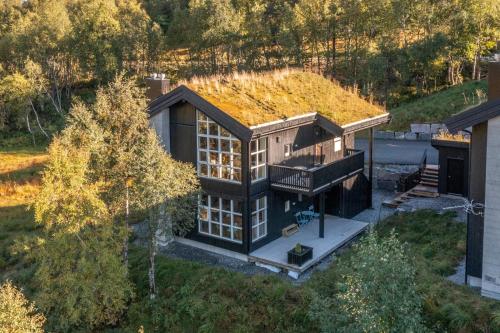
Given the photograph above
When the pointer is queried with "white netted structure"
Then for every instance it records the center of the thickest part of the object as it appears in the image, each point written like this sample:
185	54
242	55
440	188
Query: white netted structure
470	207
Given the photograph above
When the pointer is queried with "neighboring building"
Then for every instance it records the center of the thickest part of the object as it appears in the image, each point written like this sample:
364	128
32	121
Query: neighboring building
266	146
483	230
453	174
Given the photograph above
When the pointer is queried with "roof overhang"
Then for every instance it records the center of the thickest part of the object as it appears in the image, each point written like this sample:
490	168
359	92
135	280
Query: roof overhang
473	116
184	94
367	123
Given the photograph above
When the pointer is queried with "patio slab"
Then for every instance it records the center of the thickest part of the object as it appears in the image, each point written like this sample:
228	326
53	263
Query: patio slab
338	231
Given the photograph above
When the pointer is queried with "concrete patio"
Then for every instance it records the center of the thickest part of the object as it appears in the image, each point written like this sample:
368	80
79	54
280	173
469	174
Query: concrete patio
338	231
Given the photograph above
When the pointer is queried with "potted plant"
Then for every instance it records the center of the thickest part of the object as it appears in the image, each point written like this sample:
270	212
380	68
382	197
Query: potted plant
300	254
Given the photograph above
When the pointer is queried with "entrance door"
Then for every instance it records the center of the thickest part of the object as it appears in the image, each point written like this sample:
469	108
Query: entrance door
455	181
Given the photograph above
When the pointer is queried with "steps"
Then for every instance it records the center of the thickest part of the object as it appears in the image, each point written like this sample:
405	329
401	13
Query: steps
430	176
427	188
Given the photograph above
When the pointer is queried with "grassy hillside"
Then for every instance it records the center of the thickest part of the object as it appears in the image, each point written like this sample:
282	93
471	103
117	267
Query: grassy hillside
438	106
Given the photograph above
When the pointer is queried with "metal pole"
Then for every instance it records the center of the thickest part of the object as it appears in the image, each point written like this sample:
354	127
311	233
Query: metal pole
322	215
370	167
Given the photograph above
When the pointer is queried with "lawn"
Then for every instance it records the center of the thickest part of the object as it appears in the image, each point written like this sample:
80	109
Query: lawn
438	106
197	298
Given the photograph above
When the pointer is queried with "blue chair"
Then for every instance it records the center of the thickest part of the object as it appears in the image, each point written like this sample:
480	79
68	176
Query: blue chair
301	219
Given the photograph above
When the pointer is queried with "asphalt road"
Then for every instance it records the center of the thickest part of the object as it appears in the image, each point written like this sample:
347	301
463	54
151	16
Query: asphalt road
399	151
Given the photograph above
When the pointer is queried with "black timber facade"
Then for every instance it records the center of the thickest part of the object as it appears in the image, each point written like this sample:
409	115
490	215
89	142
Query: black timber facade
453	176
316	144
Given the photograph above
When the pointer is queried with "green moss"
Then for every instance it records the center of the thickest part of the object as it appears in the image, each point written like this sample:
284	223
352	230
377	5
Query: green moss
255	99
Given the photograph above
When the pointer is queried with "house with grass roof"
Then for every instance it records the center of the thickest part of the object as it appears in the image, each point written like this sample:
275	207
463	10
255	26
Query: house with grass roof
276	160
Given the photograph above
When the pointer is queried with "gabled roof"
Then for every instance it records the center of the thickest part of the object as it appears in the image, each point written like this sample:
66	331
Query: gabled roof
473	116
254	104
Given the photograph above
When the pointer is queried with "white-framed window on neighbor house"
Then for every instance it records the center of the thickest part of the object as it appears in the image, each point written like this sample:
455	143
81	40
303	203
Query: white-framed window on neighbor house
259	218
258	158
288	150
220	218
219	152
337	144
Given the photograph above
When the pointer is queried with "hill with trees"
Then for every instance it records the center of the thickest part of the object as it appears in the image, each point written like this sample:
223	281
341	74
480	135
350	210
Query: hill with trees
54	50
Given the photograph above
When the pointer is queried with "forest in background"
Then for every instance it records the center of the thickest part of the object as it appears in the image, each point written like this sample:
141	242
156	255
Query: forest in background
391	50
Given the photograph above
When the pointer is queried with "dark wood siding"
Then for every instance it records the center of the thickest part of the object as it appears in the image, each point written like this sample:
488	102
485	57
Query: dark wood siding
303	140
475	223
183	132
447	151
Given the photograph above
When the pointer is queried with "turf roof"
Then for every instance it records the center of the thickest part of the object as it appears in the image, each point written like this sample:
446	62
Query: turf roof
258	98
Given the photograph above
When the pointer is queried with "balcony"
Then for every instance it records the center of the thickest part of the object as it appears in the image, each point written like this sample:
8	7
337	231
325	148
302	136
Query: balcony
314	180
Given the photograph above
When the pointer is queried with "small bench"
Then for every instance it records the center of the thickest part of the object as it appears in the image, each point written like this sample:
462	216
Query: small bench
290	230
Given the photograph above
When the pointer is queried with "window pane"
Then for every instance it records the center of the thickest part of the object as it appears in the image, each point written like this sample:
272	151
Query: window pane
225	159
236	146
226	173
202	128
204	200
202	142
214	216
238	234
201	116
262	216
254	174
214	158
203	170
204	226
214	171
237	221
253	146
213	144
262	144
225	145
262	158
203	214
253	160
261	172
213	129
237	161
254	205
237	174
226	218
226	205
262	230
203	156
215	229
255	220
262	202
214	202
254	233
226	232
224	132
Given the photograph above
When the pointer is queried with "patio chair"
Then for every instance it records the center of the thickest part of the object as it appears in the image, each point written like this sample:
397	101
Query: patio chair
301	219
312	215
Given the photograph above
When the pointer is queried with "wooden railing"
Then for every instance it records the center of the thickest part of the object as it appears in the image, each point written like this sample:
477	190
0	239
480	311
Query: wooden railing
313	180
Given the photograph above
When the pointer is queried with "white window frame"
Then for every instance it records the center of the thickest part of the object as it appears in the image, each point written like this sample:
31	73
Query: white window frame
232	226
287	206
288	149
337	144
233	169
259	163
256	221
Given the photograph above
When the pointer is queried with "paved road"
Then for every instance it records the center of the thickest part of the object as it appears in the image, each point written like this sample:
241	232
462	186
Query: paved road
399	151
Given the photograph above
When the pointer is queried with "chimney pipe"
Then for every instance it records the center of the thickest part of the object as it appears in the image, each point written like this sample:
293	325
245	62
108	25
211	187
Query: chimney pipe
157	85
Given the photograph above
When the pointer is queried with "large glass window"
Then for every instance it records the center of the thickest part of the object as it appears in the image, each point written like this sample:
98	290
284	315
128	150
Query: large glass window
258	158
259	218
220	218
219	152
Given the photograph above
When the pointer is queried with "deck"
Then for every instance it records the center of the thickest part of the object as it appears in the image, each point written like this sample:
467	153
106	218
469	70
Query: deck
338	231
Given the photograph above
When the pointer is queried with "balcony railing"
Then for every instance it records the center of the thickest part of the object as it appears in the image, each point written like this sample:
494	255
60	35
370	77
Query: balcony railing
314	180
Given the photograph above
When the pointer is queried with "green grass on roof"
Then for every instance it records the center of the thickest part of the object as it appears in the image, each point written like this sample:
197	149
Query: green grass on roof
258	98
438	106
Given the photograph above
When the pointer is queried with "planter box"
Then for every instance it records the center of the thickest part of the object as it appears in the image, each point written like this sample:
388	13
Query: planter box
300	258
